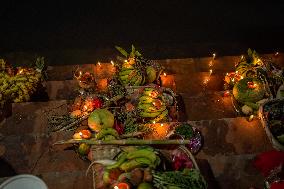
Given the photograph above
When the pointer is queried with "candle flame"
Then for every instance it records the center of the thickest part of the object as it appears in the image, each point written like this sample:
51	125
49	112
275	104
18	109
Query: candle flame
210	63
227	73
242	77
237	72
99	63
277	53
112	63
162	124
211	71
165	74
242	57
214	55
80	72
115	187
86	107
80	133
154	122
125	60
21	71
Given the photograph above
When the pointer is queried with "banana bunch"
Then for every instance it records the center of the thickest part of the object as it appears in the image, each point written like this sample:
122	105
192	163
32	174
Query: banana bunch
128	75
151	105
20	87
136	70
107	134
136	157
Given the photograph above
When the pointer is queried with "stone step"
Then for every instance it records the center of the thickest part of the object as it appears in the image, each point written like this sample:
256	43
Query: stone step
234	171
67	179
176	66
192	84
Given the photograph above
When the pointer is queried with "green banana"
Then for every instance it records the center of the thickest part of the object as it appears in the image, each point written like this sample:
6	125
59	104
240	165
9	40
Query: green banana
146	99
149	91
122	158
125	72
151	115
161	116
138	81
107	131
150	108
143	153
135	163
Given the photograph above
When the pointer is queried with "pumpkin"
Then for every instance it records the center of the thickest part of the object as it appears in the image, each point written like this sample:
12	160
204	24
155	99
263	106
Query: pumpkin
244	93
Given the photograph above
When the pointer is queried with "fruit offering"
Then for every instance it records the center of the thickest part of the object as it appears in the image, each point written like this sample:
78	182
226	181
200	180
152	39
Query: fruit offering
152	106
135	70
20	84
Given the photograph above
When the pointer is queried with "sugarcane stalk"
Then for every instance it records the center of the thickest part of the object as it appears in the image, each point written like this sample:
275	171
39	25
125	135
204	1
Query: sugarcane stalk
124	142
72	124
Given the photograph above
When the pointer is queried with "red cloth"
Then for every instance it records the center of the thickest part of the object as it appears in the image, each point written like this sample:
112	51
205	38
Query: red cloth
267	161
279	185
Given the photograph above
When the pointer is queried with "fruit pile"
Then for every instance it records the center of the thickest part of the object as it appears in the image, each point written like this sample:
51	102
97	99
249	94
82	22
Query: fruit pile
18	85
151	105
135	70
254	81
143	168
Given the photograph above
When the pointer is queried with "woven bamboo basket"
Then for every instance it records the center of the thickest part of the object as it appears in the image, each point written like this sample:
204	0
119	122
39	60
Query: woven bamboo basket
166	153
265	125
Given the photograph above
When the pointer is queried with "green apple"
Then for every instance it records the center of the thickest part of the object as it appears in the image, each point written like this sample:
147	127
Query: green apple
151	74
100	118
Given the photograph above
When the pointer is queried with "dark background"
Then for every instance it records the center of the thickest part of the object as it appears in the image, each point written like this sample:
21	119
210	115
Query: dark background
163	29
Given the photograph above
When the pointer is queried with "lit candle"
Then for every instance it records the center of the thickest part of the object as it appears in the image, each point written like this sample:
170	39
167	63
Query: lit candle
251	85
85	134
210	63
99	64
276	54
121	185
210	71
214	55
112	63
165	74
77	136
227	93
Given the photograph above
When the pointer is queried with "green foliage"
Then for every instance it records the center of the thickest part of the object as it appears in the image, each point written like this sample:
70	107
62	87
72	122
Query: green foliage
122	51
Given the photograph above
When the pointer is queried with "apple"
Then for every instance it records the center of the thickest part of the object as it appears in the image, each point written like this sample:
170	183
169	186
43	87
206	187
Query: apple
100	118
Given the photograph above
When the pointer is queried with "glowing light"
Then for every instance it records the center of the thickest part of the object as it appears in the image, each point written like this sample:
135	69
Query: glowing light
165	74
277	53
210	71
237	72
162	124
21	71
86	107
206	81
227	73
99	63
251	117
112	63
214	55
81	134
218	100
242	77
80	72
210	63
115	187
125	60
258	60
242	57
154	122
233	79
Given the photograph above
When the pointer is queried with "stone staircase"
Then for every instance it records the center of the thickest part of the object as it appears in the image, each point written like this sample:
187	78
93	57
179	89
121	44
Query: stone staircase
230	141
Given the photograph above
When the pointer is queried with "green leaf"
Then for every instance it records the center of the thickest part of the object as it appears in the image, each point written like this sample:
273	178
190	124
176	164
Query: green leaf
137	53
133	49
249	53
122	51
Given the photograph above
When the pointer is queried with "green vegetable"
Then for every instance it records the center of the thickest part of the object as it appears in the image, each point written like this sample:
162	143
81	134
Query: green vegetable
192	179
184	130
